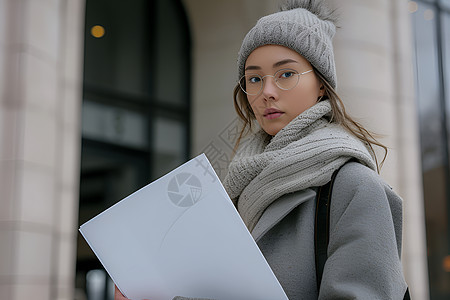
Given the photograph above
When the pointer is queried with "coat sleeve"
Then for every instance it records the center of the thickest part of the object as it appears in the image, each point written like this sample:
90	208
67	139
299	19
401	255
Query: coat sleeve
365	239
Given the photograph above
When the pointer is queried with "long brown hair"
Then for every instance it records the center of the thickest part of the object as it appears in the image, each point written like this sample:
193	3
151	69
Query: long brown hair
338	116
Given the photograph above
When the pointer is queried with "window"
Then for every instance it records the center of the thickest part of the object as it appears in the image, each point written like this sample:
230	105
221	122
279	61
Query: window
431	22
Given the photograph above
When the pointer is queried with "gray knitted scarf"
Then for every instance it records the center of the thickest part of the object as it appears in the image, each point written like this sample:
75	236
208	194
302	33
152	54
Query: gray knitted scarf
303	154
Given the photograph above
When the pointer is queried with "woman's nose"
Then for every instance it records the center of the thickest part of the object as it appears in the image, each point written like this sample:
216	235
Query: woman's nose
270	89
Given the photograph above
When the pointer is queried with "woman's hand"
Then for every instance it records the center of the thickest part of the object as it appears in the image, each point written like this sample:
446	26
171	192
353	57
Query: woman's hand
118	295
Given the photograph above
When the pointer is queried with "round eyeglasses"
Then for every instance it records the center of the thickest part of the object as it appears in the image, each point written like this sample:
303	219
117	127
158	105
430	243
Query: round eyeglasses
285	79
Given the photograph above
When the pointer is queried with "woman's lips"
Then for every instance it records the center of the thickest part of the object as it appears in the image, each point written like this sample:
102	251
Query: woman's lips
272	113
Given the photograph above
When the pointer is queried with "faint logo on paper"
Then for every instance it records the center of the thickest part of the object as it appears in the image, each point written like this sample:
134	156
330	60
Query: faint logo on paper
220	150
184	190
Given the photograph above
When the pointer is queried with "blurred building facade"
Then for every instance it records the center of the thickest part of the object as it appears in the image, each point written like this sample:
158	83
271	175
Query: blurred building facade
431	30
98	98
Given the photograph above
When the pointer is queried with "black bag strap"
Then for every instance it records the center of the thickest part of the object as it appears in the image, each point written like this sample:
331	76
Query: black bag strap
322	228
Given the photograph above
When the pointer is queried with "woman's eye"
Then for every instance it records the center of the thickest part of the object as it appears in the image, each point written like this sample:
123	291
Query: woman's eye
287	74
254	79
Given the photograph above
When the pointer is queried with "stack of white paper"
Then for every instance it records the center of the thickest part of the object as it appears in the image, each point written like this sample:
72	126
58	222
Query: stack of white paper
181	236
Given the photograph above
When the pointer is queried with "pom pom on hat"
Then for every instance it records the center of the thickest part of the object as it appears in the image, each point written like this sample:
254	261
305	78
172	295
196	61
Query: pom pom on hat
319	8
305	26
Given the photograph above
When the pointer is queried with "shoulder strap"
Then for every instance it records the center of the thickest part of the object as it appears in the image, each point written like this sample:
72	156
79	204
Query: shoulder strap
322	228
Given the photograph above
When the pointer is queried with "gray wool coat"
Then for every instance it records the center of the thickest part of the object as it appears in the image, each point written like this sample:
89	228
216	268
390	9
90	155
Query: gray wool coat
364	247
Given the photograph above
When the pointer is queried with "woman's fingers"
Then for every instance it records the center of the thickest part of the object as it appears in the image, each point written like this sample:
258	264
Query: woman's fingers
118	295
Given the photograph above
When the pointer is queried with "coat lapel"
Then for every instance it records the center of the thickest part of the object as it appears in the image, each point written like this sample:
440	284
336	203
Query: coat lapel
279	209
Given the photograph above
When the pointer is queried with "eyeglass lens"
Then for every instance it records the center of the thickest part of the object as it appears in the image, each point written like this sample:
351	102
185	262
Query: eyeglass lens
252	84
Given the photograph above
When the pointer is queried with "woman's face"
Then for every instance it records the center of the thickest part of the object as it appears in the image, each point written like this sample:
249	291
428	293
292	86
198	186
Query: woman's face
274	108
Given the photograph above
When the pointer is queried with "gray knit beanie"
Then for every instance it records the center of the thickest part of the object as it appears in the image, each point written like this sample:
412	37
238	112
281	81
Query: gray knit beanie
305	26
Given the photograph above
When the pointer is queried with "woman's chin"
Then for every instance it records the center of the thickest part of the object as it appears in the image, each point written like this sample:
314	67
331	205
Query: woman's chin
272	130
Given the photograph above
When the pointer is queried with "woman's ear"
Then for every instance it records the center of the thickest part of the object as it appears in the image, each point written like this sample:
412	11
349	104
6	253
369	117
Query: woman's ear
322	90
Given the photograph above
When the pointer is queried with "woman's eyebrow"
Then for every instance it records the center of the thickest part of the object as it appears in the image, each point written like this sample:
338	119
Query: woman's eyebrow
277	64
284	61
252	68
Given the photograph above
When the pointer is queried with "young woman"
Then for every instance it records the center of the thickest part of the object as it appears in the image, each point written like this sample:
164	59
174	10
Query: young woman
303	135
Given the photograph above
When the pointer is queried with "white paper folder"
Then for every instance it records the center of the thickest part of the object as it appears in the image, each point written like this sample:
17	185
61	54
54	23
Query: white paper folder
181	236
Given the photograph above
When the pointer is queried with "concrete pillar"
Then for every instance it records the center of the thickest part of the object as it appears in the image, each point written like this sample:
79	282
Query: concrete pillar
41	43
217	29
374	61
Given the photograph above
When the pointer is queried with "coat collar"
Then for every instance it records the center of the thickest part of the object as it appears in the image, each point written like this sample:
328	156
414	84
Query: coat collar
279	209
